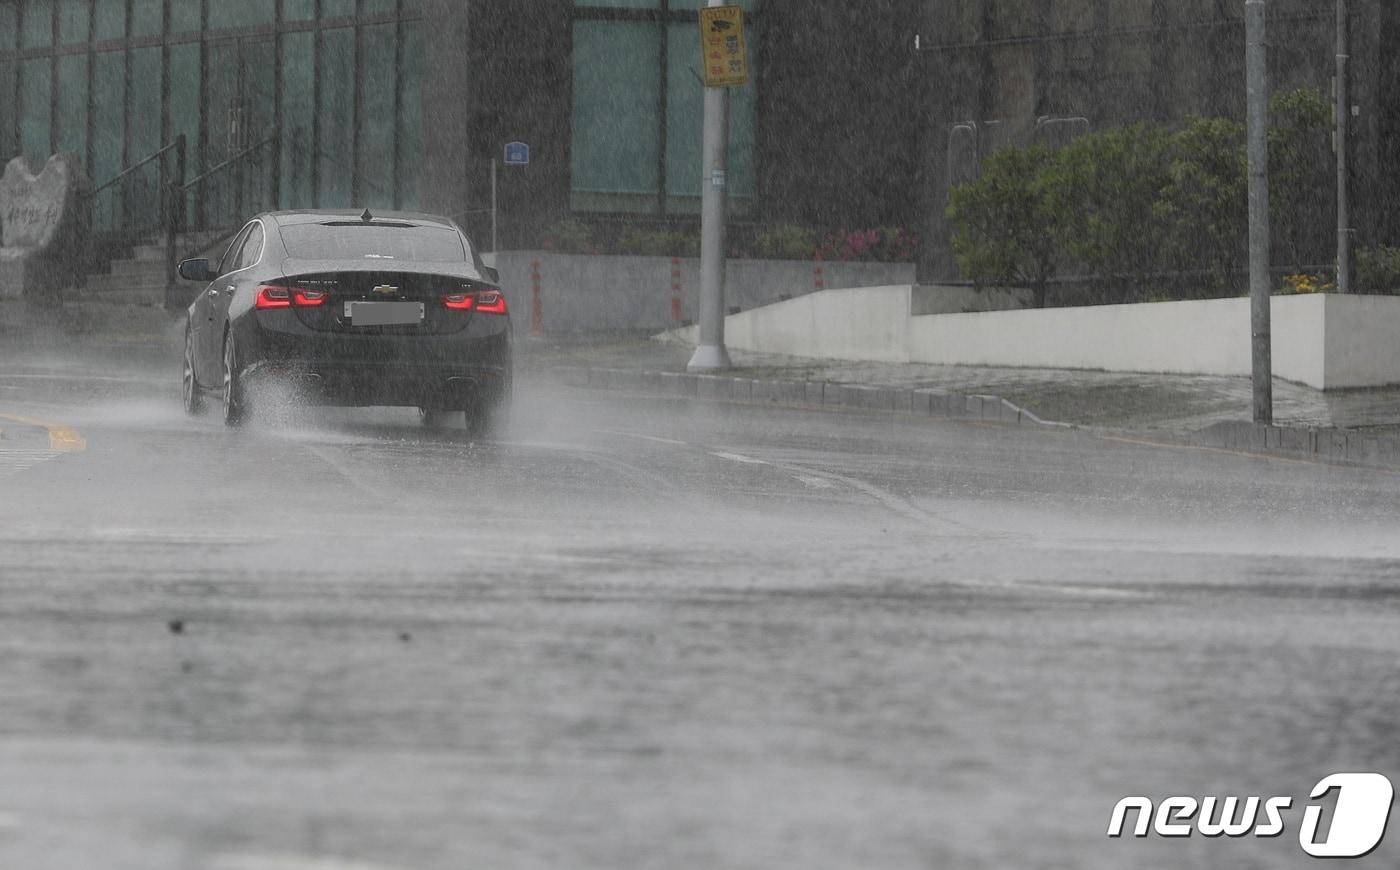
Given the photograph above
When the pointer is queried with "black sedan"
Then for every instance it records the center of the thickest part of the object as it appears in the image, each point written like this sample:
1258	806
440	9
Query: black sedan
353	309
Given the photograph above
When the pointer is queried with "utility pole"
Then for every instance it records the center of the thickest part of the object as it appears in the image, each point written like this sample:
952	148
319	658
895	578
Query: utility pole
1343	112
710	354
1260	282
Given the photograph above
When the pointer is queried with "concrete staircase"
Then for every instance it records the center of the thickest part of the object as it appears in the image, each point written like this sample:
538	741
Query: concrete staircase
140	278
137	280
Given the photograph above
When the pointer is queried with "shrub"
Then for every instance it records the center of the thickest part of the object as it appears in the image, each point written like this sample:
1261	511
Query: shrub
640	242
1299	166
879	245
570	236
1206	202
786	243
1005	229
1104	189
1303	284
1378	270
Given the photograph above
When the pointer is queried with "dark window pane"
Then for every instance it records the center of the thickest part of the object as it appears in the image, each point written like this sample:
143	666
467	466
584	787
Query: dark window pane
378	242
73	21
145	101
410	116
298	112
622	4
9	21
70	121
378	125
184	16
615	121
335	162
9	118
111	19
38	23
108	133
379	7
245	13
143	191
147	17
337	8
184	106
299	10
36	90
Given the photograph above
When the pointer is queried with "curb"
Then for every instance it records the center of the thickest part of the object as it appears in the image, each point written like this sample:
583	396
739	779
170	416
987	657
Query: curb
1325	445
1336	446
811	395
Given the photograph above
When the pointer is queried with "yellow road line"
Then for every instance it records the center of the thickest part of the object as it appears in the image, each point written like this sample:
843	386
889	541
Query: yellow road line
62	439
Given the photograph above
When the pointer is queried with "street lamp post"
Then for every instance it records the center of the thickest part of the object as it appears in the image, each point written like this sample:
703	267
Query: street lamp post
1260	283
710	354
1343	112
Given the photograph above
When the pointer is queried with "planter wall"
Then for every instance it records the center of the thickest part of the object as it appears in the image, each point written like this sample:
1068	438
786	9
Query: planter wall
582	293
1326	342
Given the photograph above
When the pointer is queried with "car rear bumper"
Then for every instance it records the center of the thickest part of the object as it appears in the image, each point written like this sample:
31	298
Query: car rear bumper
456	370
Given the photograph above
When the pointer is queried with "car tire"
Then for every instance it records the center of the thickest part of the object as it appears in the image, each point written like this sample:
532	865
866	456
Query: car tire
189	384
489	418
235	397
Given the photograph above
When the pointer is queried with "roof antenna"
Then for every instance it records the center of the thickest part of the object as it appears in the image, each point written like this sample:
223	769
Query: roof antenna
366	217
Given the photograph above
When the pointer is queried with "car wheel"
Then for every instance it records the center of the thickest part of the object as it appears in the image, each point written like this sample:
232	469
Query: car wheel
489	418
235	404
194	399
437	418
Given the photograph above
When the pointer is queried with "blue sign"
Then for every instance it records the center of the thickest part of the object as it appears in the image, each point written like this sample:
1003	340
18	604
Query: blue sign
517	154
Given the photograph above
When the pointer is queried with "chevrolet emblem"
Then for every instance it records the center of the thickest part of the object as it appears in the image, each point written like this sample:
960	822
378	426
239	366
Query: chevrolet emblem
385	290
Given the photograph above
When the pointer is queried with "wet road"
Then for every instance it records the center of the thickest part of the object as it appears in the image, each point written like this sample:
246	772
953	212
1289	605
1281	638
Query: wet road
663	635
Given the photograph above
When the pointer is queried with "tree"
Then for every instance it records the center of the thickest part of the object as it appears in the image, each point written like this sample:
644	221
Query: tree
1206	202
1298	170
1004	228
1104	187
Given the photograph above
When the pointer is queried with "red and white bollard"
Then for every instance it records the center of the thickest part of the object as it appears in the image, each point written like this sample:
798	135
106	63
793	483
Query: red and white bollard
536	301
676	290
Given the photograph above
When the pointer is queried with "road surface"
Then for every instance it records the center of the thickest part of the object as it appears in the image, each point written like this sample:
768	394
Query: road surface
662	634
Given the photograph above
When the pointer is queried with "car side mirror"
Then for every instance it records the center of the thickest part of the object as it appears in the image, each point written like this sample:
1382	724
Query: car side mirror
492	274
196	270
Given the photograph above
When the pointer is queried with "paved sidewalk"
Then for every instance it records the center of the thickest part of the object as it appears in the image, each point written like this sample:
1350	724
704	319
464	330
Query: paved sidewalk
1170	403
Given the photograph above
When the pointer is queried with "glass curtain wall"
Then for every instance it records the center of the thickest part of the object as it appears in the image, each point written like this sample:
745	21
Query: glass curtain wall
638	110
285	103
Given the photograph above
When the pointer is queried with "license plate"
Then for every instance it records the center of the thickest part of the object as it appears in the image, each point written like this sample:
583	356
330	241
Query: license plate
383	313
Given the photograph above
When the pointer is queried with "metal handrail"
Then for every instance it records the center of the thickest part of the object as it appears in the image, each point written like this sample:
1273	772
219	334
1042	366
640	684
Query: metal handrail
133	167
204	176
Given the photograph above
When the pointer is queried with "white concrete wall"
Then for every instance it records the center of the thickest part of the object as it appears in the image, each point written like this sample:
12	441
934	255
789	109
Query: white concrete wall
868	323
1363	341
1324	341
582	293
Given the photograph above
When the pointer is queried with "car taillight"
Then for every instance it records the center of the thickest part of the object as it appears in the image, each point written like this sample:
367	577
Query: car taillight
491	302
273	296
485	302
308	298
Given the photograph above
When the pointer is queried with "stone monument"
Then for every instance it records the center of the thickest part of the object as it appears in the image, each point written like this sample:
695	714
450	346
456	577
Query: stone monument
45	230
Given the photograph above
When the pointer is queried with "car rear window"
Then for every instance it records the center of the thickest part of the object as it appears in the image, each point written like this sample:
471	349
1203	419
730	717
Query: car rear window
373	242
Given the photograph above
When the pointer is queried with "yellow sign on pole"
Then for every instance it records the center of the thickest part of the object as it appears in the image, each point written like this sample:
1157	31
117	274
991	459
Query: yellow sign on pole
723	47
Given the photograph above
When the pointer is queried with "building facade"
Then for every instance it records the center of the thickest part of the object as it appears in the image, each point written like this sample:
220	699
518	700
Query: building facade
404	103
996	73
